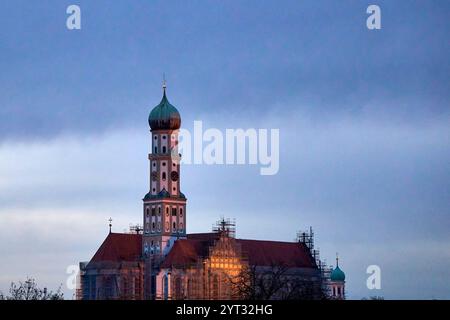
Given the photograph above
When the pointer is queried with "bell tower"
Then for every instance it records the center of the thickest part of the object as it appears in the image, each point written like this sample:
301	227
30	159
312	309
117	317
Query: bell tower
164	204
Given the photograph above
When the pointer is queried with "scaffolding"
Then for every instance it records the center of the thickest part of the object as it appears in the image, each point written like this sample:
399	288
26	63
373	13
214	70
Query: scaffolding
307	238
135	229
225	227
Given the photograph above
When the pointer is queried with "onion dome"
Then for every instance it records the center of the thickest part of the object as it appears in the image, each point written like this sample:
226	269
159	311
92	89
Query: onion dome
337	274
164	116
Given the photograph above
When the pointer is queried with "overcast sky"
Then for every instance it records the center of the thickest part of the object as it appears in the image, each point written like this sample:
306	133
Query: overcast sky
363	116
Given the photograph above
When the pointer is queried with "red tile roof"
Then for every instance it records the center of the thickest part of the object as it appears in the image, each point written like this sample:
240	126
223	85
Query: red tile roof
119	247
185	251
268	253
258	252
128	247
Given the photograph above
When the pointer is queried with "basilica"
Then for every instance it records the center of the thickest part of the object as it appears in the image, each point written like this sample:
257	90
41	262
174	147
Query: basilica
161	261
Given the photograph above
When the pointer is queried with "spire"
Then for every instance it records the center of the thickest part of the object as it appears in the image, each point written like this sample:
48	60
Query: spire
110	224
164	85
337	260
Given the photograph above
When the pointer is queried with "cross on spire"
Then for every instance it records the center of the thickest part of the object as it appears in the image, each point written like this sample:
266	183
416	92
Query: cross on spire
110	224
164	82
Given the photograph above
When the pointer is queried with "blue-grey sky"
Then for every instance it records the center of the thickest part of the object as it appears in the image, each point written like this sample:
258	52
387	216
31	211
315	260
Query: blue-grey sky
363	116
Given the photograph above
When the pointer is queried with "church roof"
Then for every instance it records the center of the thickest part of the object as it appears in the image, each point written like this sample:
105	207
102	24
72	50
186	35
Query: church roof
258	252
119	247
267	253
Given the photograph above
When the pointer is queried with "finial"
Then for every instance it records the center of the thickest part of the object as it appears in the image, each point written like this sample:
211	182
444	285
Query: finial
337	260
110	224
164	83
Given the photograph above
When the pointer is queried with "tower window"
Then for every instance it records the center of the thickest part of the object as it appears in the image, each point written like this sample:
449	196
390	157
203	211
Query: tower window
174	226
181	212
153	212
164	176
159	210
154	163
164	164
155	137
154	189
153	225
146	211
164	149
164	137
174	211
156	149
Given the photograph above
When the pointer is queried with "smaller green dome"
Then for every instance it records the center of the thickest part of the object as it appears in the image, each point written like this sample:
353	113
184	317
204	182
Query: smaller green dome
164	116
337	275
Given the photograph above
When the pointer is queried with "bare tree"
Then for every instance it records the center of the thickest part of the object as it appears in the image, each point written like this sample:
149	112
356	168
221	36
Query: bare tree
276	282
29	290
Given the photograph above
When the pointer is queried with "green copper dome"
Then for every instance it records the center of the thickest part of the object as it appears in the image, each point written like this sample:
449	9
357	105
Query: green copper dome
337	275
164	116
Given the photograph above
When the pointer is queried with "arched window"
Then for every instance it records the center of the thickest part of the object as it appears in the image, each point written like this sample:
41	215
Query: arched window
174	226
215	288
164	176
165	287
156	149
178	291
189	289
164	149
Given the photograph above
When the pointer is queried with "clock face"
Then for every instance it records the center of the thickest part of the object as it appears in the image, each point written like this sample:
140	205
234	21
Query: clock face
174	175
154	175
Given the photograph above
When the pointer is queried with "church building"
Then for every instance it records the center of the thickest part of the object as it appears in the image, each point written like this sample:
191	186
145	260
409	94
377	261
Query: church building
161	261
